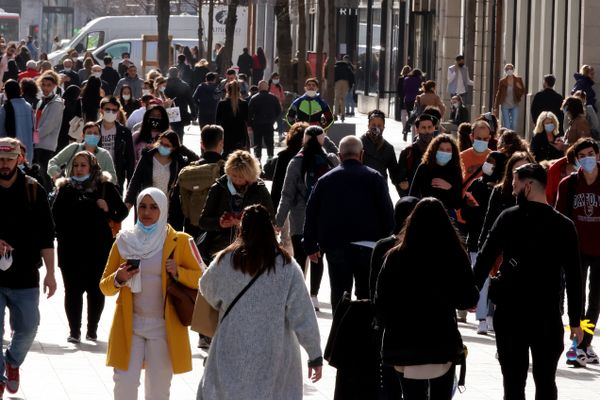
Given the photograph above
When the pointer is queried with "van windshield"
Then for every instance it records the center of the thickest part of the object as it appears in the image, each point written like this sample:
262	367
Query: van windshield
90	42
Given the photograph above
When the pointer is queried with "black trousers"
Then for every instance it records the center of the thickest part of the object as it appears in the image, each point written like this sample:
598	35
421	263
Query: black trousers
593	301
206	119
514	342
79	280
178	128
428	389
316	269
263	132
41	157
347	265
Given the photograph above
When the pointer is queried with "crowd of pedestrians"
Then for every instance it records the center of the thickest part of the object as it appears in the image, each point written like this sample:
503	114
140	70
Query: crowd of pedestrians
82	146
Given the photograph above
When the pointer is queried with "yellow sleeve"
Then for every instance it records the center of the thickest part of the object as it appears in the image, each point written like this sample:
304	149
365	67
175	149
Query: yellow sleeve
188	266
107	283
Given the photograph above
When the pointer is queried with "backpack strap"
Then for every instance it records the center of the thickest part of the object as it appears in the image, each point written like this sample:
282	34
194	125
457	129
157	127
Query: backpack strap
31	189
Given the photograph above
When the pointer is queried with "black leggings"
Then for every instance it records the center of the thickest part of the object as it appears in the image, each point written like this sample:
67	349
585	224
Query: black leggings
428	389
316	269
79	279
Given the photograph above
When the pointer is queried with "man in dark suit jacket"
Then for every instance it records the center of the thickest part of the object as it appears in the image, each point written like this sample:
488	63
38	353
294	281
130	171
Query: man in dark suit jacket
547	100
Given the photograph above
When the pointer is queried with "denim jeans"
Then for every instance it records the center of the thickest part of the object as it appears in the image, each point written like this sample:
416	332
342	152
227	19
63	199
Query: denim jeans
344	264
350	103
510	117
24	321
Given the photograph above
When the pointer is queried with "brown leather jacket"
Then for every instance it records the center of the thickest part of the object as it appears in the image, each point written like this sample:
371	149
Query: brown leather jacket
518	91
578	128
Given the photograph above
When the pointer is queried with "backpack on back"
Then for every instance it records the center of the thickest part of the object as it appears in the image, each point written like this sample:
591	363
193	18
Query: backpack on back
195	181
319	167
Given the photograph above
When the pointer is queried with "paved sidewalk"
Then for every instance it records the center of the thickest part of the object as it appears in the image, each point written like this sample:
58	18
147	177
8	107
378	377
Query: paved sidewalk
57	370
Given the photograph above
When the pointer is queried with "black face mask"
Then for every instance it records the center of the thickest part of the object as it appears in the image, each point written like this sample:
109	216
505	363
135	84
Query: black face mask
461	64
425	138
9	176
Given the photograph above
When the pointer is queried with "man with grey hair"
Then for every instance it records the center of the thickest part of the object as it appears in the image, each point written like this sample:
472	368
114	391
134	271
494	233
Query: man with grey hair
181	94
263	110
348	210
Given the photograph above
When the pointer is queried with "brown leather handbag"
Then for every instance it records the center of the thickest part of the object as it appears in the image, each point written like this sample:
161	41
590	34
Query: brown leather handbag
181	297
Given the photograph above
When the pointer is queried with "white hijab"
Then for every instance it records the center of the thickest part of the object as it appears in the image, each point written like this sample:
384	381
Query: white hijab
135	243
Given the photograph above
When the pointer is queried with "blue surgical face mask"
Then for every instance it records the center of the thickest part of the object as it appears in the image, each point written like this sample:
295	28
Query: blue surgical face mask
549	127
81	179
443	157
91	140
164	151
480	145
147	229
588	163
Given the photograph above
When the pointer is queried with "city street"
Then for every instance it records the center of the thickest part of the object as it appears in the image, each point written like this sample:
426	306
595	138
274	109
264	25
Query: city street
55	369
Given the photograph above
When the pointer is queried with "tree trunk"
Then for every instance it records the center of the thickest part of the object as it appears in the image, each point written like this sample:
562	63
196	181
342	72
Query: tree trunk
200	32
211	18
284	41
230	32
320	40
329	94
301	46
163	11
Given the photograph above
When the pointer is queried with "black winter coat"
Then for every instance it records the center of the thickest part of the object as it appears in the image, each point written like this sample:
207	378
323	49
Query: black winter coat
124	159
181	93
234	125
416	289
84	236
218	202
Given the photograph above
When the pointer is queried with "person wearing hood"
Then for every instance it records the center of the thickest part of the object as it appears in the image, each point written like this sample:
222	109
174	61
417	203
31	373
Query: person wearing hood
146	331
90	143
87	193
379	153
16	116
132	80
159	168
584	80
227	198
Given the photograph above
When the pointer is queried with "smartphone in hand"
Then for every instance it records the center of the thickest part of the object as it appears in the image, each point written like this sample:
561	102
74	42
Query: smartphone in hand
133	264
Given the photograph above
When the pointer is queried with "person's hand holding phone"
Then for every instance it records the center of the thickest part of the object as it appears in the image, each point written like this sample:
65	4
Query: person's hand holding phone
227	220
127	270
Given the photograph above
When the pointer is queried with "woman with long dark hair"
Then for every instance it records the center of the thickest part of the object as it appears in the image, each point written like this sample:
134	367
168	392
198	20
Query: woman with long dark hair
440	173
232	115
425	362
255	353
259	64
87	193
303	171
29	91
155	122
128	102
90	99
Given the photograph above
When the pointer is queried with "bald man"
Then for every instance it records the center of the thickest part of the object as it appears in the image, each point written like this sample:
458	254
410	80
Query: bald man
263	110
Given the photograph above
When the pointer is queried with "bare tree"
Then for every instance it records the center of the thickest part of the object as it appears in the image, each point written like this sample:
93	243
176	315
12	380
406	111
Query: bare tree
163	12
230	30
284	40
211	19
320	40
332	51
200	31
301	45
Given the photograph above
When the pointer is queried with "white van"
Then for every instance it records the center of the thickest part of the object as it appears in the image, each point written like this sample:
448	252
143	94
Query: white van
104	29
115	48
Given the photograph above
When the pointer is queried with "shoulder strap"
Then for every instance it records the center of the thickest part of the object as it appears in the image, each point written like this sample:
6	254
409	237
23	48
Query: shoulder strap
239	296
472	177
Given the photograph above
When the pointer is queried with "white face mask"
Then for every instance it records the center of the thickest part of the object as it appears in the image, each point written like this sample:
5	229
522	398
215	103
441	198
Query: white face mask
162	89
97	74
146	91
487	168
126	97
6	261
509	72
109	117
311	93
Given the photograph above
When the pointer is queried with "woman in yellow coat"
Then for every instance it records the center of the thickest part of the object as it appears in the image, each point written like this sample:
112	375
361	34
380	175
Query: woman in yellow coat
146	330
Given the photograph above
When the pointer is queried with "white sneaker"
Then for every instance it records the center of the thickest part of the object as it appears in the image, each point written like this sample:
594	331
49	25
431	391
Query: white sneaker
580	361
490	323
482	329
592	357
315	302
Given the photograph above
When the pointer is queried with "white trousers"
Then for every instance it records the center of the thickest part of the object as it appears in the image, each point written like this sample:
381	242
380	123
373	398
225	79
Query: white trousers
148	349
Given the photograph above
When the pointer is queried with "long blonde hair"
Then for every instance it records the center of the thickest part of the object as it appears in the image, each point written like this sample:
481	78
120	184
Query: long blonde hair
233	93
539	125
